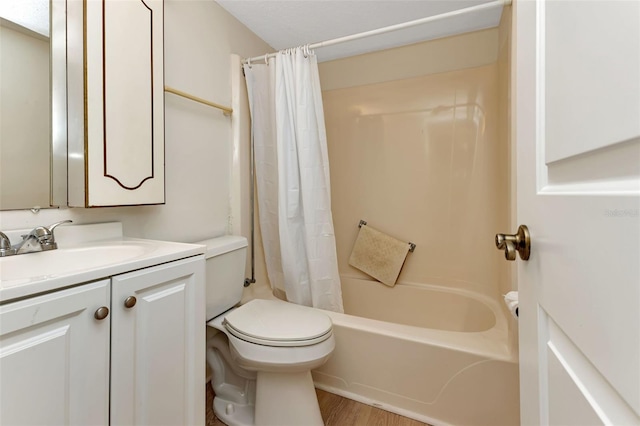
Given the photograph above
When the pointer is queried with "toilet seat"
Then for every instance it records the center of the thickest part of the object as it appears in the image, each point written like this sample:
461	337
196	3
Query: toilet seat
278	324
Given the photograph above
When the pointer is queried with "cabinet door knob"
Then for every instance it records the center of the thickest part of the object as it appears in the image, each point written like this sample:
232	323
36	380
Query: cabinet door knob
101	313
130	302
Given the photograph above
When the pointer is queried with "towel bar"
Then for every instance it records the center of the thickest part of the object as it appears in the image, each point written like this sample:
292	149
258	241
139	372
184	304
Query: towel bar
412	246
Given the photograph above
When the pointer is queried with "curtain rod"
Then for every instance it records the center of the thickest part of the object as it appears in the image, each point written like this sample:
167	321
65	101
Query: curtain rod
390	28
226	110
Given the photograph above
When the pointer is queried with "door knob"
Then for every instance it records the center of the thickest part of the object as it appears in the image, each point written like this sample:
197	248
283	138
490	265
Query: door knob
519	242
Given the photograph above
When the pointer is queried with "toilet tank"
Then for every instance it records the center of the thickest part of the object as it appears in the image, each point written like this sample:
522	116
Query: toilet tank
225	264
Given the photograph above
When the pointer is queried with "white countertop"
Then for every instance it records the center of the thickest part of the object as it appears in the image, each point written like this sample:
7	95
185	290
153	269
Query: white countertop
85	253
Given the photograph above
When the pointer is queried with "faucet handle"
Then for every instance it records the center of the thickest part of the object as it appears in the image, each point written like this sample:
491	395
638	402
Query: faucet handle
50	238
45	236
52	227
5	243
40	233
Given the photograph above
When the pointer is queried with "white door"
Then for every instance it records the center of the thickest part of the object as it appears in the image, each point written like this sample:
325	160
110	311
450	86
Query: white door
577	111
54	358
158	345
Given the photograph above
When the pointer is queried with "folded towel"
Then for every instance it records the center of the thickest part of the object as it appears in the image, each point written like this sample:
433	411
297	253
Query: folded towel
379	255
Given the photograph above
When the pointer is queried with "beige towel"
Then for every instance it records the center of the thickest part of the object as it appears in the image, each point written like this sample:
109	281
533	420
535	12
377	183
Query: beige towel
379	255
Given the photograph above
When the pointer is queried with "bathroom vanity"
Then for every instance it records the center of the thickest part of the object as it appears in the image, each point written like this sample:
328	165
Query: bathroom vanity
103	330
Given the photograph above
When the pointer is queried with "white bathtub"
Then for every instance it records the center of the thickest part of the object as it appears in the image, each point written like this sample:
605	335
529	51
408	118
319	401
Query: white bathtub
434	354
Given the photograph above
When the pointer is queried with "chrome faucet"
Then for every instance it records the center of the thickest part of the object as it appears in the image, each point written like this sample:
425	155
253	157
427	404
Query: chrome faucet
5	245
39	239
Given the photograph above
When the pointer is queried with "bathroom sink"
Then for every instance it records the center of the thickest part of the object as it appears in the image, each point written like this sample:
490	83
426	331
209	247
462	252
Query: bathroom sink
85	253
65	261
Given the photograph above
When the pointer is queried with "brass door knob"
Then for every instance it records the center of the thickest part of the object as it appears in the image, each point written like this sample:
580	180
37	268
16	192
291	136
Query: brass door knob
130	302
520	242
101	313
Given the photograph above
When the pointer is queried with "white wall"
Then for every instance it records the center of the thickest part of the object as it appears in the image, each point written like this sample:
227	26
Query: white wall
200	37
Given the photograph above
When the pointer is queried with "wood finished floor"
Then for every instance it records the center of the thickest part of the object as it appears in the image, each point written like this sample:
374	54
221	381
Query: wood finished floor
337	411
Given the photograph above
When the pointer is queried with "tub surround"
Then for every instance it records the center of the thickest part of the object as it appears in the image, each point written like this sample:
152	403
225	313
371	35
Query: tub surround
421	159
423	153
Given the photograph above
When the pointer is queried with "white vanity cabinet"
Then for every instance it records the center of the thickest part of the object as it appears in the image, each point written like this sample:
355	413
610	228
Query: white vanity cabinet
63	362
115	102
54	358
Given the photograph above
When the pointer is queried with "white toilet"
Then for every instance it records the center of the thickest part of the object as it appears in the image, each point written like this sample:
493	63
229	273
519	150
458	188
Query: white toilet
261	353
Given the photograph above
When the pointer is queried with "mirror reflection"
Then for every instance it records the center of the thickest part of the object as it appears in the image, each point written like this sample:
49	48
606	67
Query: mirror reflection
25	104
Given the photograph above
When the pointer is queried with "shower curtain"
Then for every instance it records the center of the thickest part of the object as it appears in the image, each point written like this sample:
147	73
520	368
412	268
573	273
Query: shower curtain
292	178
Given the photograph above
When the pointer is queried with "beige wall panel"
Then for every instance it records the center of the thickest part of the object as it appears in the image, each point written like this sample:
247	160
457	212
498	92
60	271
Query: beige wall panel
421	159
446	54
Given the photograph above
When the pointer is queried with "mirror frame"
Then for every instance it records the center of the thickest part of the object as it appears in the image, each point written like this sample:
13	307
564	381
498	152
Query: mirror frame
58	61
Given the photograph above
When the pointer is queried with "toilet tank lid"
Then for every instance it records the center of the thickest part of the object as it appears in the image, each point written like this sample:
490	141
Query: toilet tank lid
222	245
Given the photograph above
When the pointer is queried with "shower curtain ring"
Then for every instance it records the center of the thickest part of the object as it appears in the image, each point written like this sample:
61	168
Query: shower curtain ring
249	63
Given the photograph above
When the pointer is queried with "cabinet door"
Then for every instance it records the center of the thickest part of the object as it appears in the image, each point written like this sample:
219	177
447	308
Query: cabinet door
158	345
118	158
54	358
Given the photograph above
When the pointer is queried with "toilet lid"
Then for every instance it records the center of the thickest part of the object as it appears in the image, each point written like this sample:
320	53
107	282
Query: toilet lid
277	323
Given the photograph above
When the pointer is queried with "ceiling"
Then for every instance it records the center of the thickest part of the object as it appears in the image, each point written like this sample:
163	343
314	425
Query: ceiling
289	23
30	14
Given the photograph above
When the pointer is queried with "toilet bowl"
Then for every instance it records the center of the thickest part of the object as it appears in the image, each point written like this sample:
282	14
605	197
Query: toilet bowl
261	353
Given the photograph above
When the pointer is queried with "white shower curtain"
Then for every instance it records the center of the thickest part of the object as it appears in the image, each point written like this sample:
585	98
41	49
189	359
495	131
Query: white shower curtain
292	177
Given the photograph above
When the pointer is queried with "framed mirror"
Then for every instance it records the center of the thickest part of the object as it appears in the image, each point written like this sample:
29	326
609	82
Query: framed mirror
33	139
